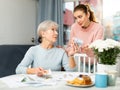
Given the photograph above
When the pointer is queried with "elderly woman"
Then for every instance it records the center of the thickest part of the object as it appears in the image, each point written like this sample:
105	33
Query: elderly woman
45	55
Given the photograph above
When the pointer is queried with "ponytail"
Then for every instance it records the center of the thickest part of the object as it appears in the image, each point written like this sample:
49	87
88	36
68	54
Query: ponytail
92	16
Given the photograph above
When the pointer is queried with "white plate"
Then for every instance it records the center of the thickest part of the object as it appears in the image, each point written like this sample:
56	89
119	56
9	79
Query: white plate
80	85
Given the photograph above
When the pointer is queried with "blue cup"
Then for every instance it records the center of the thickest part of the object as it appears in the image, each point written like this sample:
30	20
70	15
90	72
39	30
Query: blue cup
101	80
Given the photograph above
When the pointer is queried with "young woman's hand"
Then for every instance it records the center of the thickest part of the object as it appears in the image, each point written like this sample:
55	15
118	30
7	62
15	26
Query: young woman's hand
87	50
73	48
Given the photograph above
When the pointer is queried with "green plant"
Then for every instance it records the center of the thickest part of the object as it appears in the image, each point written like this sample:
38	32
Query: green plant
106	51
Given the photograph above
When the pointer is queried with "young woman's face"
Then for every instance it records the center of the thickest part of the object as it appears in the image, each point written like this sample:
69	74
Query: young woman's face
51	34
81	18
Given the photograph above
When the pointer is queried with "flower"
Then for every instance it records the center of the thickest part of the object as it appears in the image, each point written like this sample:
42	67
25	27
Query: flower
106	51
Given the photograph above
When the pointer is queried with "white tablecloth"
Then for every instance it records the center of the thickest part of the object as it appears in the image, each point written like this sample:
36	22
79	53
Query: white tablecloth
57	83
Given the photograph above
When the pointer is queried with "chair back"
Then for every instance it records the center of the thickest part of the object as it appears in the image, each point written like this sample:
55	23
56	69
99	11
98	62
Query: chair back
85	64
10	57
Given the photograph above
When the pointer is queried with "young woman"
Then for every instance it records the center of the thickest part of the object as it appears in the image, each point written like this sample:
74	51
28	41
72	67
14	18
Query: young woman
85	29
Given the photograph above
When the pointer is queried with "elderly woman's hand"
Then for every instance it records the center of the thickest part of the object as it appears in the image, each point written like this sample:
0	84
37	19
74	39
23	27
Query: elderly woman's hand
40	71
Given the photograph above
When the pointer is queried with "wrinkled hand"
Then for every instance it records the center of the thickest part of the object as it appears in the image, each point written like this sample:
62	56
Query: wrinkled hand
40	71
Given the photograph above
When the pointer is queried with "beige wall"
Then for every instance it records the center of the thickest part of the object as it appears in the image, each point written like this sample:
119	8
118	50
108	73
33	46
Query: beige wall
17	21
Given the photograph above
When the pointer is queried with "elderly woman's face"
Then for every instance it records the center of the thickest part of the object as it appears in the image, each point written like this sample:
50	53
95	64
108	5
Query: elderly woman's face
51	34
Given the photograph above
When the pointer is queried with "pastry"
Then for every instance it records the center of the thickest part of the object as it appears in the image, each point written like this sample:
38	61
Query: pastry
83	80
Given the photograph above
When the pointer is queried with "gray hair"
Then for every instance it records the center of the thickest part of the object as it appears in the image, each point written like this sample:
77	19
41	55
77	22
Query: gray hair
43	26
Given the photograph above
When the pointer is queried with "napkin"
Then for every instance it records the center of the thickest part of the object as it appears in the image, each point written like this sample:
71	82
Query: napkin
39	81
48	74
78	41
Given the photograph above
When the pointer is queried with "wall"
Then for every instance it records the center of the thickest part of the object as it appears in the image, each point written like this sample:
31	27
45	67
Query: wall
17	21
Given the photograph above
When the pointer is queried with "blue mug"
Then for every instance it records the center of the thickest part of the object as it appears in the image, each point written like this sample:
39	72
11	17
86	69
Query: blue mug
101	80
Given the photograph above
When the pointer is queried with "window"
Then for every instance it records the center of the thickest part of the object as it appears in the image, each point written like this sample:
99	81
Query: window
111	19
68	18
